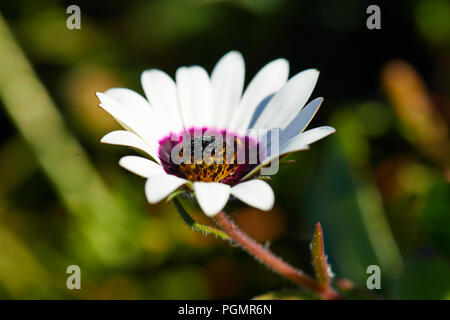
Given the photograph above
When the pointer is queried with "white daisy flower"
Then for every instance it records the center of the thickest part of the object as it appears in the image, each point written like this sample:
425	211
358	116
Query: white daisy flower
199	103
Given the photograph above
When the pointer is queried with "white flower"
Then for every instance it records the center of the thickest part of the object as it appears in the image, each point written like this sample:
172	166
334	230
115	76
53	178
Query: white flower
197	102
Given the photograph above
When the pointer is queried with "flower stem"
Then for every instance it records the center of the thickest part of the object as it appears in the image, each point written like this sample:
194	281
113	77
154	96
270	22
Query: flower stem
194	225
270	260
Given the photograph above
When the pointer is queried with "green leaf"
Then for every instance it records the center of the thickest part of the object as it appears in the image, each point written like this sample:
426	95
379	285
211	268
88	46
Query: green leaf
319	259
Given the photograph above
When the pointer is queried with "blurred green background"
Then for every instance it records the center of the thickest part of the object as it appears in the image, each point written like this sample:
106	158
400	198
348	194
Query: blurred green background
379	186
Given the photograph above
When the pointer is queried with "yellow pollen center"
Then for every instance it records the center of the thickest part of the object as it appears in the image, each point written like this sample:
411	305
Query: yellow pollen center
213	167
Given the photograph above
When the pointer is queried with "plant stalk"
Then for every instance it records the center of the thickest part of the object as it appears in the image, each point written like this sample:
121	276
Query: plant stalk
275	263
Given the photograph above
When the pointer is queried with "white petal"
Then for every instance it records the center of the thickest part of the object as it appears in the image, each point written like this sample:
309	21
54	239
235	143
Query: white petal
134	117
304	139
211	196
160	186
285	104
227	81
256	193
161	91
129	99
195	96
301	121
270	158
136	103
141	166
127	138
297	143
266	82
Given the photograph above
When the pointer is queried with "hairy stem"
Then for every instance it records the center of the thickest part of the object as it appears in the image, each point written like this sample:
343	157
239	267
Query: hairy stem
194	225
272	261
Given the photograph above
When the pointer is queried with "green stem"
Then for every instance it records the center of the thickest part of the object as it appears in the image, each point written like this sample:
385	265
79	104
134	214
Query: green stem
194	225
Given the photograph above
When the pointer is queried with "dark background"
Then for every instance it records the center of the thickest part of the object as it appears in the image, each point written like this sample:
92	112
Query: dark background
379	186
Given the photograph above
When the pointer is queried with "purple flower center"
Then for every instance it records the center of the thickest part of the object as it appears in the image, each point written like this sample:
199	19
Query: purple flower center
208	155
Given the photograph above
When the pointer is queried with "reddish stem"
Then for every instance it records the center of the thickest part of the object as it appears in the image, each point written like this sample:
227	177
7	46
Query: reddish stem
272	261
